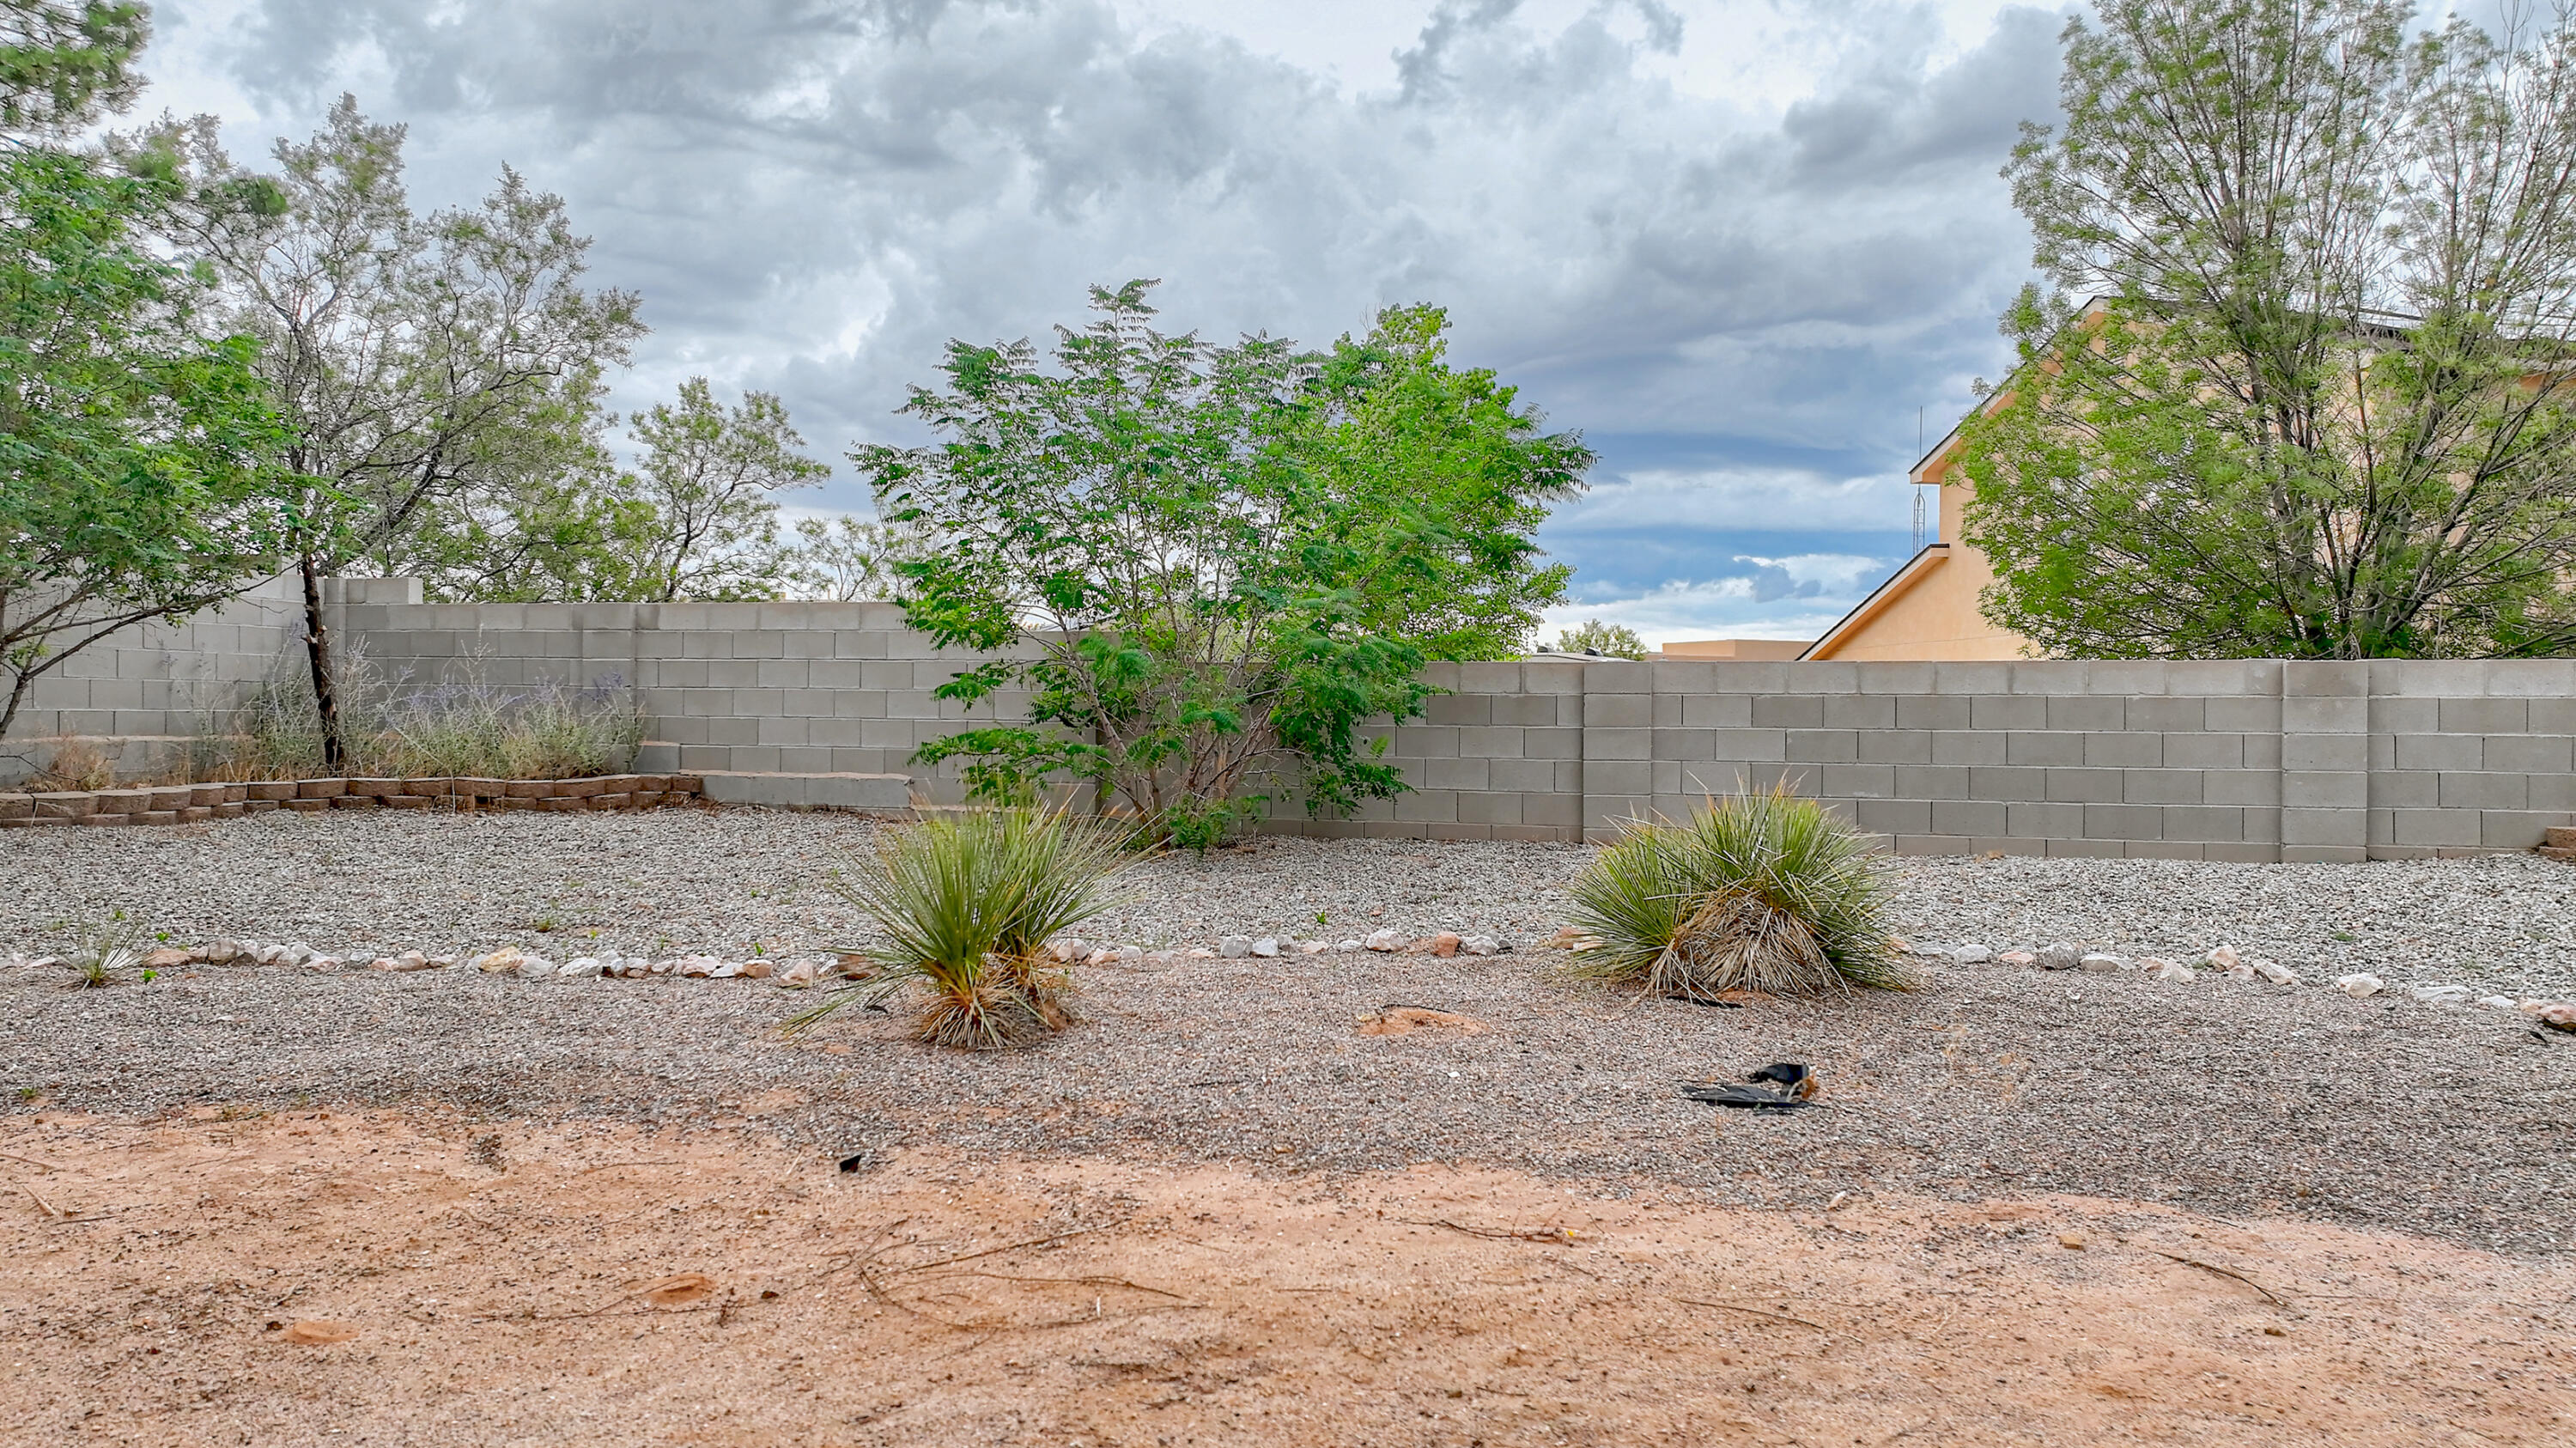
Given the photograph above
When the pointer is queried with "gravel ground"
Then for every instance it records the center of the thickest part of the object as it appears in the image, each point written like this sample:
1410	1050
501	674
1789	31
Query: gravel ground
725	881
2229	1097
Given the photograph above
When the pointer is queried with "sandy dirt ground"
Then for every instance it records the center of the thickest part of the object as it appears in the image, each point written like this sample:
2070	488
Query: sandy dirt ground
320	1277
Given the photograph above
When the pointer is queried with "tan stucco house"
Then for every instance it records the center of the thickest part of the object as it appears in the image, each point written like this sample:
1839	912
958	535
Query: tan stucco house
1928	608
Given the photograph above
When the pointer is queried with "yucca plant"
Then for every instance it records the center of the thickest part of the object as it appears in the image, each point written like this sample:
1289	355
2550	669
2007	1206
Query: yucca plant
1765	892
114	945
967	904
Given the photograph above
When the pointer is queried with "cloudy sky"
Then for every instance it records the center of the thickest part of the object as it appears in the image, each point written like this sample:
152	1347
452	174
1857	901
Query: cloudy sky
1737	244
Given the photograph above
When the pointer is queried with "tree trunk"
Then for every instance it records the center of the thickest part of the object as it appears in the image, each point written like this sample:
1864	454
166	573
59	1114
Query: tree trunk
317	650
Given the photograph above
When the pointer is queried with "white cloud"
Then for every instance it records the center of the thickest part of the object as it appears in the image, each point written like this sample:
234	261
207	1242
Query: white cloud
1784	598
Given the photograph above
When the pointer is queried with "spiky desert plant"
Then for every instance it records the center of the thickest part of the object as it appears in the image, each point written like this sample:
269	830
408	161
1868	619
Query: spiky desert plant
966	903
104	950
1760	891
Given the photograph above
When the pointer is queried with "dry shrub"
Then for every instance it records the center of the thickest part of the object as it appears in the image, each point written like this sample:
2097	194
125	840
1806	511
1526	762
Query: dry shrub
73	764
1764	892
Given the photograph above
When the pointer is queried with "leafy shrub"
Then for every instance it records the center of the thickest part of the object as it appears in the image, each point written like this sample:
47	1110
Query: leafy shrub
967	904
1758	891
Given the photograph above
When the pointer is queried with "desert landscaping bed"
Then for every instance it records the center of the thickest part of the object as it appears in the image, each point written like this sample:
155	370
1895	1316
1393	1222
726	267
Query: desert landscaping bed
2234	1097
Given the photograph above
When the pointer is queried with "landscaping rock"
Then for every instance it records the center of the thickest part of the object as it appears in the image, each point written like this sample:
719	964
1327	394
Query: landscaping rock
2059	956
504	961
2441	995
2222	957
1234	947
2559	1015
537	967
1972	955
1266	947
1480	945
2361	985
169	958
1384	940
2171	970
1068	950
2276	973
2017	957
2098	963
2496	1003
1445	944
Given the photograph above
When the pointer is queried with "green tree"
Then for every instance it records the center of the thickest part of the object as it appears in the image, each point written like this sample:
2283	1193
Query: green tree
2317	408
849	558
1208	564
440	374
709	478
1612	640
63	62
138	460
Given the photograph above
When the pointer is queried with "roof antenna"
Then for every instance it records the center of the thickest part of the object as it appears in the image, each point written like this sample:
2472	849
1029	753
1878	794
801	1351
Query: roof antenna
1918	490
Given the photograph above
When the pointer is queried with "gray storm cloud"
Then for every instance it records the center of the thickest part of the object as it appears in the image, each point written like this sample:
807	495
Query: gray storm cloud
814	196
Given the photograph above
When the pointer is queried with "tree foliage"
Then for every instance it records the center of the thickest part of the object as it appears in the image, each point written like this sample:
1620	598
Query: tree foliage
1207	564
65	62
709	477
1612	640
2320	408
138	459
435	371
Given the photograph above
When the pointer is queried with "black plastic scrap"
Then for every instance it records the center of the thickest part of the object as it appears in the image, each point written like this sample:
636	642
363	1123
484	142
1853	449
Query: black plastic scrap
1796	1083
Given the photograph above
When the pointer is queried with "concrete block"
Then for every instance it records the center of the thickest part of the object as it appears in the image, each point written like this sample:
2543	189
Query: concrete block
1523	710
775	731
2241	786
1749	745
1683	677
1857	781
2486	716
1606	777
1618	711
2042	748
1824	676
1490	741
1822	746
2518	829
2552	792
2324	789
2084	786
1428	805
2162	850
2135	750
2304	752
2203	822
2165	715
1685	743
2261	751
782	673
733	673
2088	712
2242	854
1895	816
1453	774
2007	782
2160	786
1976	746
1970	817
2394	715
2325	714
1458	709
2528	753
2250	715
2439	751
2553	716
2081	849
2435	827
2044	821
1617	743
2050	676
1490	678
1717	711
2006	712
1896	746
1618	676
1756	677
2006	845
1972	678
1933	711
1483	808
2482	791
1896	677
1788	711
1932	781
1860	711
2405	789
2124	822
2323	826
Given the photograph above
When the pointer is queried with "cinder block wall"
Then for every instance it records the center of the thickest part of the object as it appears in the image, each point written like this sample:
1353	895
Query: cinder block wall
2225	760
806	688
139	695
